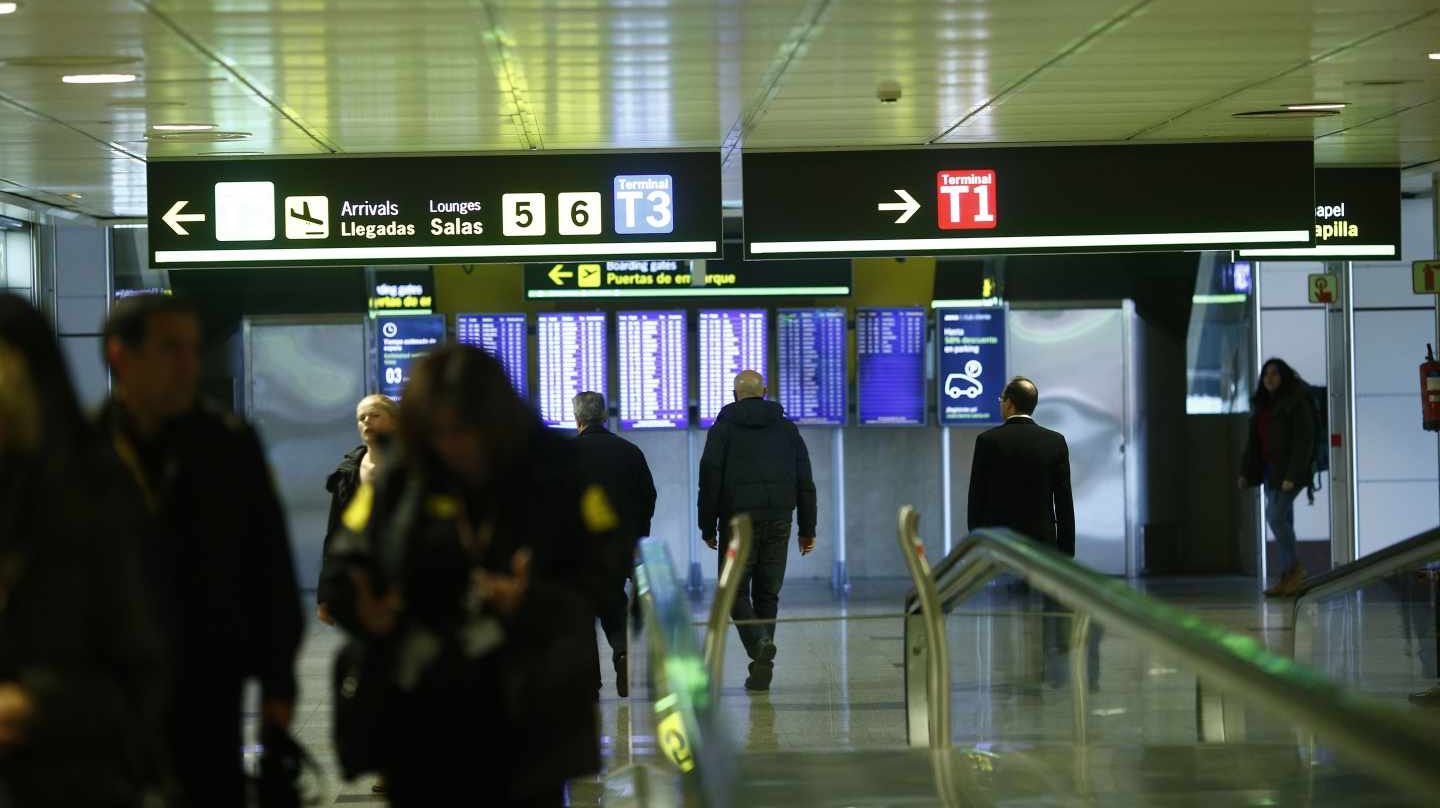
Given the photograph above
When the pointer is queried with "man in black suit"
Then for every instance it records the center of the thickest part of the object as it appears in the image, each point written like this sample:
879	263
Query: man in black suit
619	467
1020	476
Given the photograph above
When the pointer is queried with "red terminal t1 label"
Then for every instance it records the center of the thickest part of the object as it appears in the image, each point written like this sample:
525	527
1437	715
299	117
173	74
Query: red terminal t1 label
966	199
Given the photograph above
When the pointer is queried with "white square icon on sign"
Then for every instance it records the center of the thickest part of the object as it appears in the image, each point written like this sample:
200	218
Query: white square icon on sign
579	213
307	217
244	211
522	214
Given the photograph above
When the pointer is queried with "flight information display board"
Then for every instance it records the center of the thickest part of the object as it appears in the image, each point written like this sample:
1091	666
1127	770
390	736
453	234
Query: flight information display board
652	351
403	340
813	372
731	340
572	355
970	351
337	210
503	336
890	367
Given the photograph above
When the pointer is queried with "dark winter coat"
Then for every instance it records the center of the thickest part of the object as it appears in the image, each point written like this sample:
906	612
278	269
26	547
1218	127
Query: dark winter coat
619	467
1289	452
518	716
342	484
75	633
755	462
1020	479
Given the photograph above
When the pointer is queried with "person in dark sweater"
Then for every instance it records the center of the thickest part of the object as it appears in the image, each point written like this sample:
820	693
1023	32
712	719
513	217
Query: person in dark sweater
618	466
755	462
375	418
1280	455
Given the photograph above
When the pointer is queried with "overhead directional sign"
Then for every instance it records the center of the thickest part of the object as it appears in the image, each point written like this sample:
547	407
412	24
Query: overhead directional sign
955	201
1357	215
730	277
426	210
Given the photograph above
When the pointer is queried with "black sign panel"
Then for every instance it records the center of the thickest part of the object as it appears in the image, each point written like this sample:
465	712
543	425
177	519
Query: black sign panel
424	210
940	201
401	291
665	278
1357	215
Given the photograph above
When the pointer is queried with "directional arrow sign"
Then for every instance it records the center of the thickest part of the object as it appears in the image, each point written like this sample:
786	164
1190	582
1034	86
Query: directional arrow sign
909	206
559	274
174	218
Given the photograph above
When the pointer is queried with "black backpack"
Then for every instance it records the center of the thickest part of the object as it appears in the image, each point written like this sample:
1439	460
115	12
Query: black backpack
1320	410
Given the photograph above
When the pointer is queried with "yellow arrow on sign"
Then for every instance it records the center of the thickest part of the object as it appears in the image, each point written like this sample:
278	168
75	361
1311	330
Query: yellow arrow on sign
559	274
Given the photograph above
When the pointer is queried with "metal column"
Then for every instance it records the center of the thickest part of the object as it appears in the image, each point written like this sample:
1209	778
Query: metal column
696	580
947	508
840	576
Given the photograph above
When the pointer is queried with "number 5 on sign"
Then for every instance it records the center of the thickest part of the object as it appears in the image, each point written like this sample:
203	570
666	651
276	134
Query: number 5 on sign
579	214
522	214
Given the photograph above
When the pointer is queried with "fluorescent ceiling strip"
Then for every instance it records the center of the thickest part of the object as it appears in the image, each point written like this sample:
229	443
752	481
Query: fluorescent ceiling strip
773	291
1216	300
591	250
1363	250
1029	242
979	303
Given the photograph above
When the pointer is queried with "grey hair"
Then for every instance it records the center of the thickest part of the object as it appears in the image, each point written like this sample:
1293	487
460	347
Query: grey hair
589	408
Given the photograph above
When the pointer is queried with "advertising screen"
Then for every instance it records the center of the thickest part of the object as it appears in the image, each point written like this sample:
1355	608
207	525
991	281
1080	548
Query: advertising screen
813	370
652	355
503	337
970	345
731	340
571	348
402	340
890	366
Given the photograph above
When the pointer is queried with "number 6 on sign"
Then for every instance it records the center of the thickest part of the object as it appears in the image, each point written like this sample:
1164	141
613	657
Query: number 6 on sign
522	214
579	213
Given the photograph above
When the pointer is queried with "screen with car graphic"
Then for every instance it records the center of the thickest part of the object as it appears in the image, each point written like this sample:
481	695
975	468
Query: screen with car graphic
971	357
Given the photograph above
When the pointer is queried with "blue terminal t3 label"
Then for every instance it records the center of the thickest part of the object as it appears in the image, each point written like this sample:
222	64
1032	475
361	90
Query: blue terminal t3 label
971	356
644	203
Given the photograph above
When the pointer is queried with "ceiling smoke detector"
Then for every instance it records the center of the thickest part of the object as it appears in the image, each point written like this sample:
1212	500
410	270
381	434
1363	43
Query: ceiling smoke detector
888	92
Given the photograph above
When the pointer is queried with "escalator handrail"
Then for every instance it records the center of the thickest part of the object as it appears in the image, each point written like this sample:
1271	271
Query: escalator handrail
1384	738
1376	566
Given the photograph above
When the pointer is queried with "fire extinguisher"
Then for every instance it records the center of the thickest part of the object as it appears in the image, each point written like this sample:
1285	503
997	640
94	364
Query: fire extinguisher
1430	390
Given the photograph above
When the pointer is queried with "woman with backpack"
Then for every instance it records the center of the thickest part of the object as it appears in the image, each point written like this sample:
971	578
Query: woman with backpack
1280	455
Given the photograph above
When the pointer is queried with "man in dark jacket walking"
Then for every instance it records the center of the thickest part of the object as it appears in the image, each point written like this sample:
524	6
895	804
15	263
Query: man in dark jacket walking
755	462
218	563
618	466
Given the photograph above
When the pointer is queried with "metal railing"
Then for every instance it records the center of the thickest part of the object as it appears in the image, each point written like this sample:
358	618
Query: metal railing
1388	741
1377	566
727	587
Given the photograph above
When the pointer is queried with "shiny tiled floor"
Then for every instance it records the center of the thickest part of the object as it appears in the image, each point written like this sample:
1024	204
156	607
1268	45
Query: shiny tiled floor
838	682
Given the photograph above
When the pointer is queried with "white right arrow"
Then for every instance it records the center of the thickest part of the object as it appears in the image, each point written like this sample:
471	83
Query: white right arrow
909	206
174	217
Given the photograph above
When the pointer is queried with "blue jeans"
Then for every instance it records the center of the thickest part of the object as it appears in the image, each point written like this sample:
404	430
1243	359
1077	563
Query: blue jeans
1280	516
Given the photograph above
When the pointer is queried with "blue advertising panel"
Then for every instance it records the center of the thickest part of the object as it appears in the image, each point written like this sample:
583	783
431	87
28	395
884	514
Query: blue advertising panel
402	340
652	354
813	378
890	366
970	346
731	340
571	349
503	337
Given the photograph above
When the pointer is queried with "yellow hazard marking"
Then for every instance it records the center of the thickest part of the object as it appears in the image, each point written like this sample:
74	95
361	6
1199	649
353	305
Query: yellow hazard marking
671	734
357	514
595	509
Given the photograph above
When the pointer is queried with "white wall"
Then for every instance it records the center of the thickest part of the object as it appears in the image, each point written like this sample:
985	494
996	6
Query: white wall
1399	493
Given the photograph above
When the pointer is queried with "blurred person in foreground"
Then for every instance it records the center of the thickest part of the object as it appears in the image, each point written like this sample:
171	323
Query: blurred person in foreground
217	561
465	579
618	466
375	419
81	672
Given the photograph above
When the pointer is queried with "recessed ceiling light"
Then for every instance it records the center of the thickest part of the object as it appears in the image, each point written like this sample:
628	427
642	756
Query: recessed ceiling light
1285	113
99	78
74	195
9	8
184	127
201	136
1435	56
1316	106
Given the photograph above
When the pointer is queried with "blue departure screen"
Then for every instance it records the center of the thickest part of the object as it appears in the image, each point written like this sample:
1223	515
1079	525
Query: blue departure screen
572	360
402	341
652	369
970	345
731	340
503	337
812	365
890	369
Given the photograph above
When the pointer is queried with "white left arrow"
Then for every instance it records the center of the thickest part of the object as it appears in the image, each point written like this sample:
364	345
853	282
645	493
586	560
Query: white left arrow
174	217
909	206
